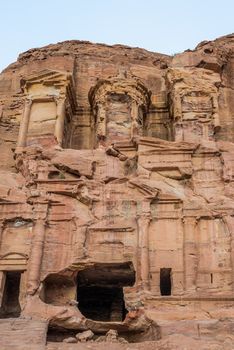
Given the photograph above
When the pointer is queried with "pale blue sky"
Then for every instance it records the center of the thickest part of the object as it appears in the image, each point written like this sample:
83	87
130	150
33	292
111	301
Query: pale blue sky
164	26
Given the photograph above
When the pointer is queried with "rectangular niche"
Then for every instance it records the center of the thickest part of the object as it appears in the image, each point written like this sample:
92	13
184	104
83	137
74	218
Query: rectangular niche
110	246
42	118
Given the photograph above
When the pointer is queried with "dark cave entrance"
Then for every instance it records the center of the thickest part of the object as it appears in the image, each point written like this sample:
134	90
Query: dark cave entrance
102	303
165	281
10	302
100	291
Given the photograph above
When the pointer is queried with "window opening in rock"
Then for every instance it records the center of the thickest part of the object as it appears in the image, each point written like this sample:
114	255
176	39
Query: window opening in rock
211	278
10	302
165	281
100	291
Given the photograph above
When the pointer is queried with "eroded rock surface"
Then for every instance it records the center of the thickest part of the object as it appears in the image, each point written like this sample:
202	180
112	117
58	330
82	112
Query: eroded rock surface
116	194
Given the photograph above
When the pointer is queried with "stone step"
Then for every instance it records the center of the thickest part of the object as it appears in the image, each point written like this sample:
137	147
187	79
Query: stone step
22	334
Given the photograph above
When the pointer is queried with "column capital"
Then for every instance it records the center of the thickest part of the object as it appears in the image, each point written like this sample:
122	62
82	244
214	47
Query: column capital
190	219
60	98
144	218
28	102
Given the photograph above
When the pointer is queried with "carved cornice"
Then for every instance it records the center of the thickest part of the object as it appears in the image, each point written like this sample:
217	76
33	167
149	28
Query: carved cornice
63	81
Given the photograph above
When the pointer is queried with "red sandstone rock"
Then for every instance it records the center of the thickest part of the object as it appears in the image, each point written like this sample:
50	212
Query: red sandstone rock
84	336
116	195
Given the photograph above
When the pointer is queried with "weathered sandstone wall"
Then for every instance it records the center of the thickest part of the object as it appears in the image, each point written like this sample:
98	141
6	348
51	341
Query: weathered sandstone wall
116	187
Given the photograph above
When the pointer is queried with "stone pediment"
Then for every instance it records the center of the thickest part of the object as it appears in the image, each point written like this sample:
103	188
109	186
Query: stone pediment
60	81
46	77
169	198
14	256
13	261
155	144
154	189
144	188
170	159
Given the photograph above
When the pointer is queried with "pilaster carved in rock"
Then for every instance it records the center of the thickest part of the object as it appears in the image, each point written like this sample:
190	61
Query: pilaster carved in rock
101	121
35	260
59	125
143	222
229	221
134	117
22	138
190	254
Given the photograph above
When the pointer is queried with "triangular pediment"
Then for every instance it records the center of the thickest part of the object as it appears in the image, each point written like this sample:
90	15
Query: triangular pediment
160	190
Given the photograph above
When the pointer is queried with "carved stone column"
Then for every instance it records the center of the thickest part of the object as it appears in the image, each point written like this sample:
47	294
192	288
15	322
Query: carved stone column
229	221
1	111
178	118
34	266
22	138
190	254
101	122
59	125
143	242
216	113
1	233
134	119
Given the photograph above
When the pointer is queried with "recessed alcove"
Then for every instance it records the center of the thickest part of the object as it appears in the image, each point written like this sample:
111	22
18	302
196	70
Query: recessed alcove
118	117
100	293
119	106
58	290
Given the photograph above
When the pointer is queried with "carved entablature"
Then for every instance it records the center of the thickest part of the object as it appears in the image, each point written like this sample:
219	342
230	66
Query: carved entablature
49	106
13	261
194	106
119	106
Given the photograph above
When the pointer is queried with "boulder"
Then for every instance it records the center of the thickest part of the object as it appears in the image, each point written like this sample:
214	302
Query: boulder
85	336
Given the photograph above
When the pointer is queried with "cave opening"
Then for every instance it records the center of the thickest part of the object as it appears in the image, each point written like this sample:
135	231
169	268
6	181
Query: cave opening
100	293
165	281
10	302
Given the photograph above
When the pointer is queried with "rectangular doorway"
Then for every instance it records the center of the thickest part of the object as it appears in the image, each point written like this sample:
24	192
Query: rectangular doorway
10	301
165	281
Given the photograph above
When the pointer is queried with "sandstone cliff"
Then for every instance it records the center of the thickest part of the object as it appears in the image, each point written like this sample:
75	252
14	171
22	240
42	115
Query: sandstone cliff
116	192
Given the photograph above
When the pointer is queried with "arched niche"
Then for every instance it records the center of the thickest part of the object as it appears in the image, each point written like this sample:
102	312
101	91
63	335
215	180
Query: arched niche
119	108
